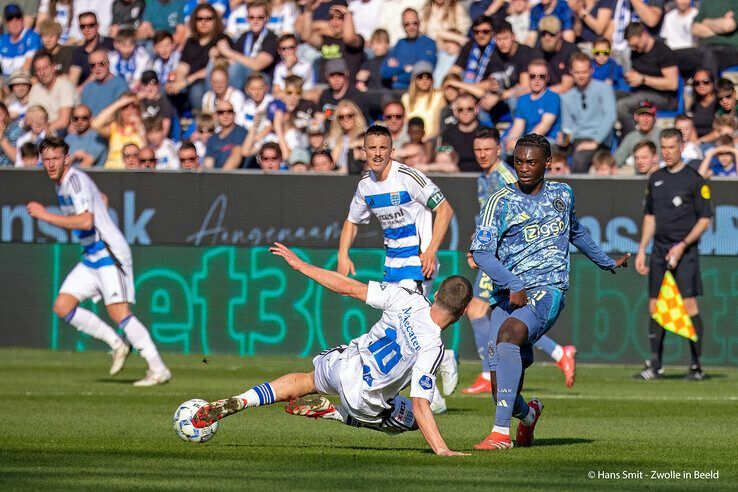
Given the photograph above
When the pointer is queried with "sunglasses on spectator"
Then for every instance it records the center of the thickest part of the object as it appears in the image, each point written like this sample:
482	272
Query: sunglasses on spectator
205	19
293	93
88	26
600	52
534	76
147	159
206	129
224	111
100	63
346	116
482	31
13	17
288	48
187	159
256	17
80	117
466	109
703	82
424	76
726	96
394	116
548	33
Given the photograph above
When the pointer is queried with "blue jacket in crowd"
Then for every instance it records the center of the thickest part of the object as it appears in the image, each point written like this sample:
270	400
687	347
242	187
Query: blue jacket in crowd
611	71
408	52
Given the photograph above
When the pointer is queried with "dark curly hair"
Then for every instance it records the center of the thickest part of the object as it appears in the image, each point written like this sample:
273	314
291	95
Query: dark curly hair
537	142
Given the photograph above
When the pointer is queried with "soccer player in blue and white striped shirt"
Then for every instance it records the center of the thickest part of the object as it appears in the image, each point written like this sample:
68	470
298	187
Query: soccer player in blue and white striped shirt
404	201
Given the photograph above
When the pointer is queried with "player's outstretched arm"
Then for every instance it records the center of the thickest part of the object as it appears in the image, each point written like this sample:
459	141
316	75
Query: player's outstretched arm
340	284
579	237
82	222
348	234
429	429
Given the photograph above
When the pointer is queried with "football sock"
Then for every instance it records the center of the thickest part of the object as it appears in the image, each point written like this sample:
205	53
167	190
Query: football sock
522	411
89	323
486	376
139	336
509	370
656	339
547	345
262	394
480	327
695	348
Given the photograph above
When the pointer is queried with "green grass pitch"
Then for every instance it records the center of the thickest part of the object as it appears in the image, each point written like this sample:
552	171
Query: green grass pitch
69	426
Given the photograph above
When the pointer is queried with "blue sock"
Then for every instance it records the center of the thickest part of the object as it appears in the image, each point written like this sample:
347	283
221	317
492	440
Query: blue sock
521	408
496	318
546	344
480	327
509	370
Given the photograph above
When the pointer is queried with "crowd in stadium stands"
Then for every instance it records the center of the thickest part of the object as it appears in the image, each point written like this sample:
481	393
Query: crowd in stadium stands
278	86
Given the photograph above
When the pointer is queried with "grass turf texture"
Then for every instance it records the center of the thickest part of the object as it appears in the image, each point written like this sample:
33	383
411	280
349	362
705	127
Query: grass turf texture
69	425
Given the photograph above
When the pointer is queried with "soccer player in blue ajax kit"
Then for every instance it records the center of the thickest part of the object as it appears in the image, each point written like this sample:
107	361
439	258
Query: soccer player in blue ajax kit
522	244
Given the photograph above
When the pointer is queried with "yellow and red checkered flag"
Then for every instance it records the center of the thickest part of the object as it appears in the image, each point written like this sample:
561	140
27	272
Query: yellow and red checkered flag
670	311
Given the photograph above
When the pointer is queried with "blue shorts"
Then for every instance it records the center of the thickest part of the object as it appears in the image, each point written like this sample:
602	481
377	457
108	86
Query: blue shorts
483	286
539	315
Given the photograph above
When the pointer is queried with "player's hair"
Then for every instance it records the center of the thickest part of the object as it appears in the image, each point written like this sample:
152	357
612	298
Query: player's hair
29	149
125	35
416	121
161	35
634	29
492	133
380	35
724	84
155	123
603	41
535	141
558	157
42	54
50	27
482	19
377	131
578	56
454	295
671	133
645	144
53	143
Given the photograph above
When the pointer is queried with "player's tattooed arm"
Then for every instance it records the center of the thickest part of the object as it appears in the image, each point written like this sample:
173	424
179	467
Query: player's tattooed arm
340	284
82	222
429	428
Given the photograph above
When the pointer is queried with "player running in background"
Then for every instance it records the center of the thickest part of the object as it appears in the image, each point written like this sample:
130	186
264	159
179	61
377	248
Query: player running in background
405	201
522	243
495	176
106	269
404	348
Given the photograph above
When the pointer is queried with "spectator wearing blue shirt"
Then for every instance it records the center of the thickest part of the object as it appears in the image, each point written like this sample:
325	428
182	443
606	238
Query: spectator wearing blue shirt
587	115
104	88
538	111
19	44
557	8
86	147
606	68
415	47
228	140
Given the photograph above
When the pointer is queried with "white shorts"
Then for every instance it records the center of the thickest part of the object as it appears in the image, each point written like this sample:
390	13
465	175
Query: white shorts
111	283
334	372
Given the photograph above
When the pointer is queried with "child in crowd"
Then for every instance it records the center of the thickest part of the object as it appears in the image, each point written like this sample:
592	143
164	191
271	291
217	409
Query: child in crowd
317	136
128	60
692	150
29	155
322	162
369	75
167	59
603	164
721	159
559	165
164	149
17	101
291	65
205	129
606	68
725	124
37	126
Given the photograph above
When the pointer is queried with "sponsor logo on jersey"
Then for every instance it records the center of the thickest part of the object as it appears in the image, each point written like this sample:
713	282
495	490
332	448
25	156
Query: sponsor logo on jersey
658	183
408	331
559	204
395	198
536	231
426	382
677	201
484	236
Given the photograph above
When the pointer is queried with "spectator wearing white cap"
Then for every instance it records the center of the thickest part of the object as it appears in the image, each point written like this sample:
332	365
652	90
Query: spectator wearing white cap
17	100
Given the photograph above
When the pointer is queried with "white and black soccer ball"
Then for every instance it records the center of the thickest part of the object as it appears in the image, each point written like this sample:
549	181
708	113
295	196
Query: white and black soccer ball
183	422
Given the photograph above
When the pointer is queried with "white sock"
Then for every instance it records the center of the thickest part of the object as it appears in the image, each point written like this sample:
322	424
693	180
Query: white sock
139	336
89	323
486	376
501	430
262	394
557	353
529	418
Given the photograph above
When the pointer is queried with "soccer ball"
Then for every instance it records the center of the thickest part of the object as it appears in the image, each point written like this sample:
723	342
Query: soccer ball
183	422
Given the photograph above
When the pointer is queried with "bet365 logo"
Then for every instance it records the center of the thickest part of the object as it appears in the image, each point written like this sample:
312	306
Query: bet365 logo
534	232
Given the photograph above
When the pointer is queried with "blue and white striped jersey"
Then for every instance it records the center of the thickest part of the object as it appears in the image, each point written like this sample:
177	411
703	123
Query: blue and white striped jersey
490	183
132	68
12	55
403	203
104	244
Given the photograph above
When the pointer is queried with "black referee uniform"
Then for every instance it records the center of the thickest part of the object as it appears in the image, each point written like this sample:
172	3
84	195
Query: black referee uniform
677	200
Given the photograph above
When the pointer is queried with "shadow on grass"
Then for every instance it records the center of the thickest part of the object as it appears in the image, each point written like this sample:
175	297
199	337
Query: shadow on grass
561	441
116	381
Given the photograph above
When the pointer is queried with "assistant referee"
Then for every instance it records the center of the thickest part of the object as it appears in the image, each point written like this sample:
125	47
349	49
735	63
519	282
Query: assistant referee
676	212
